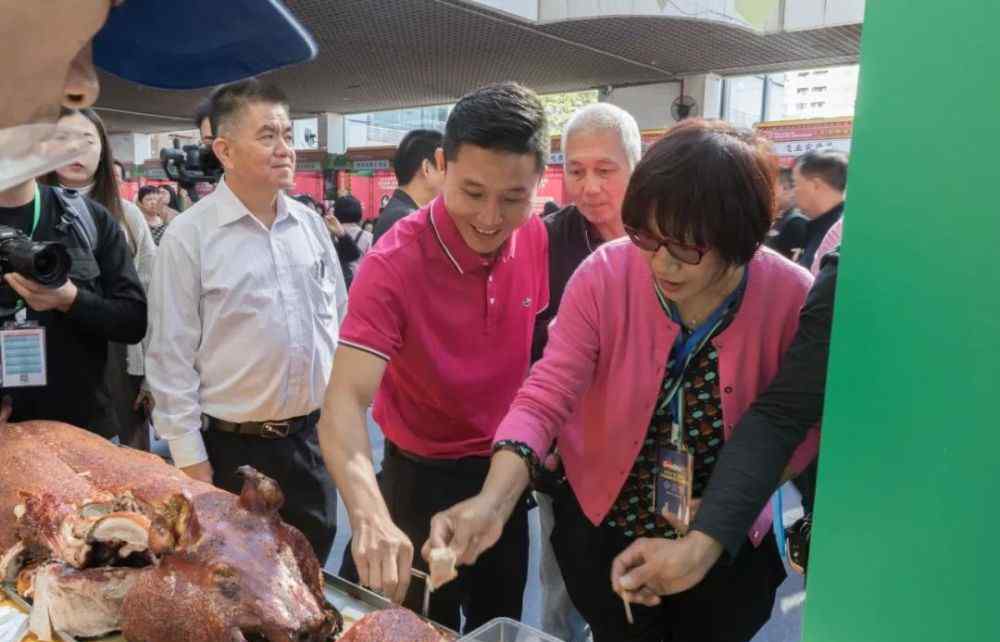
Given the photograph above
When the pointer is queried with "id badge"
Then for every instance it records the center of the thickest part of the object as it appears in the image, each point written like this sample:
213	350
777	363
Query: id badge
674	483
22	355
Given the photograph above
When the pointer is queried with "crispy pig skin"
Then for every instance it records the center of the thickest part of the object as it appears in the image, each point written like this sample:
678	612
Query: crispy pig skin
391	625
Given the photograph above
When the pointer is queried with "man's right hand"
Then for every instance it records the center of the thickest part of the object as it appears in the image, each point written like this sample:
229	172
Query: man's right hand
652	567
468	528
201	471
383	555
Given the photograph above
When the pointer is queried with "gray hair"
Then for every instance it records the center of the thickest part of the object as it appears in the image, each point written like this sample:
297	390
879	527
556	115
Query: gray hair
603	117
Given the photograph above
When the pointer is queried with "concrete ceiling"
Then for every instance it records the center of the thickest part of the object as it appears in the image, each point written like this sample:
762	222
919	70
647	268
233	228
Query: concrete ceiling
387	54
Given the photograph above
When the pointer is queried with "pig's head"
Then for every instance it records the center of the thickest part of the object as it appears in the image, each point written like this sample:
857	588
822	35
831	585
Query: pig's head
234	572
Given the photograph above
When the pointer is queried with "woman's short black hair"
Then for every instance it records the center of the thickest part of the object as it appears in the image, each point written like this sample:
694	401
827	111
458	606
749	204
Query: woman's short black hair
347	209
706	183
504	117
146	190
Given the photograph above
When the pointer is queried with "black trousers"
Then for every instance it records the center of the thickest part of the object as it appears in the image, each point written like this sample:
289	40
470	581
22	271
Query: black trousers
805	483
415	491
730	605
117	398
296	464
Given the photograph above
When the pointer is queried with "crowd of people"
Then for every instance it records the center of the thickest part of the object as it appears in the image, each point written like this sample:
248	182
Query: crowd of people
639	364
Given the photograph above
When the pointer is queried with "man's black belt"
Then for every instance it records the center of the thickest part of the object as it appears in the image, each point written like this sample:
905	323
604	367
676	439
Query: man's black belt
471	465
278	429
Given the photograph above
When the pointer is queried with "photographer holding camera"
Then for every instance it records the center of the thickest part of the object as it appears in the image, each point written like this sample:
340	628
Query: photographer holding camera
72	319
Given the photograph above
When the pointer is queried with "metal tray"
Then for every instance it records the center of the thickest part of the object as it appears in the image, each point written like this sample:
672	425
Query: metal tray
353	602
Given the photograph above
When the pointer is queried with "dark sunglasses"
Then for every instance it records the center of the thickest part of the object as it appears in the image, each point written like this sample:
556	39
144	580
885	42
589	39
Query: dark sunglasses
690	254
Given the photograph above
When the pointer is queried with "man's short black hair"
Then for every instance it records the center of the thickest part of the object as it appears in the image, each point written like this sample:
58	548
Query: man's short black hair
829	166
347	209
203	111
228	100
504	117
416	147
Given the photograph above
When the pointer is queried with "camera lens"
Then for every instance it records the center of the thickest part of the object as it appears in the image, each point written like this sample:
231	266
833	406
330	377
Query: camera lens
51	265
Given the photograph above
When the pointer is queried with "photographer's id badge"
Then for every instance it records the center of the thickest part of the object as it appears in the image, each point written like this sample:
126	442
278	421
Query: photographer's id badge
674	482
22	355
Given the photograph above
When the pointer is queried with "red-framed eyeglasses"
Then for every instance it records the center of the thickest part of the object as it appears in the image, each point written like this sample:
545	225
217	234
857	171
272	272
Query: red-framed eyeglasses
690	254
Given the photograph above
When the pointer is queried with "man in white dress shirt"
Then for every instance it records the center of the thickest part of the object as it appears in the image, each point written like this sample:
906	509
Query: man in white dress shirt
245	308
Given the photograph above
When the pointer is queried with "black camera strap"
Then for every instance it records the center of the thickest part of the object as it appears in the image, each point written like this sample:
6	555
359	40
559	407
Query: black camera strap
76	215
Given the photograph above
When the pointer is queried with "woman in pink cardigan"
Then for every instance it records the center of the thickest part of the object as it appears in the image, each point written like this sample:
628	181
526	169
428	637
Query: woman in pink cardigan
662	341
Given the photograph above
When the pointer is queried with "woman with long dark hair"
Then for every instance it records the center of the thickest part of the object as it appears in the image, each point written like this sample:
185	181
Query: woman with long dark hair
94	176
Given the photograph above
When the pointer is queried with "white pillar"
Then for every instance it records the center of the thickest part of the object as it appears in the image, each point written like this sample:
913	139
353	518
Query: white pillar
331	133
706	89
648	104
131	148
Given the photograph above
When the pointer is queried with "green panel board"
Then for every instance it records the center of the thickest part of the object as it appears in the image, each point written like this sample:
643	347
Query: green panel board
907	530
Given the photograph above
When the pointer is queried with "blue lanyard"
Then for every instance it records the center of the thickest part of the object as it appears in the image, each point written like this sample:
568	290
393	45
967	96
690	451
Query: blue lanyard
689	344
38	211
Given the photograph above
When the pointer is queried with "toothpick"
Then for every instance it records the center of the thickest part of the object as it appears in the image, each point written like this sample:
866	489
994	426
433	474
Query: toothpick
628	610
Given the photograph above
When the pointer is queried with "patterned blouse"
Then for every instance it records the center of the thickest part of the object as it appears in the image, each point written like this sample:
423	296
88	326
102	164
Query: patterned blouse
634	509
158	231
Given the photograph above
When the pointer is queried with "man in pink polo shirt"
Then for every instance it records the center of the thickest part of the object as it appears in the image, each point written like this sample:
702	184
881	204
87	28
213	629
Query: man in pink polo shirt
439	331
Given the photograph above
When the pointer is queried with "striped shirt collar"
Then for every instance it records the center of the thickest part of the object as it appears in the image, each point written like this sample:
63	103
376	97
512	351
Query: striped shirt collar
464	258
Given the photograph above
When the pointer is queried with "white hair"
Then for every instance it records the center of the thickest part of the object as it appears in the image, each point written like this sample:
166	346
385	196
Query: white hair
605	117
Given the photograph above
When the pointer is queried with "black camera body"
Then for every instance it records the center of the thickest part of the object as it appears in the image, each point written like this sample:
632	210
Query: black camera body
190	164
46	263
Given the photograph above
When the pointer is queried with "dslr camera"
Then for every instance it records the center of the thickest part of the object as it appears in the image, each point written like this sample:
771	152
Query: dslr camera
45	263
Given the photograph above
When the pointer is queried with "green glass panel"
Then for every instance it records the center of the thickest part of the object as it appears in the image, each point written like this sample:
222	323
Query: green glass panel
904	547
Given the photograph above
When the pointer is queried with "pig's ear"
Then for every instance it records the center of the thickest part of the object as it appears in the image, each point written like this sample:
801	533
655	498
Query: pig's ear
260	493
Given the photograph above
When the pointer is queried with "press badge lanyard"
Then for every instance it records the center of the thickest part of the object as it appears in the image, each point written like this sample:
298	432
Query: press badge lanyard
22	342
38	211
684	350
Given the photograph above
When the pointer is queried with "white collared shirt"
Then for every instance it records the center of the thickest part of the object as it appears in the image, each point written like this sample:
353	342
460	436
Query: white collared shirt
244	320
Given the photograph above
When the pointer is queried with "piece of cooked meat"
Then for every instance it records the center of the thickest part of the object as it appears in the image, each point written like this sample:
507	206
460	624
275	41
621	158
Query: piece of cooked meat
442	565
391	625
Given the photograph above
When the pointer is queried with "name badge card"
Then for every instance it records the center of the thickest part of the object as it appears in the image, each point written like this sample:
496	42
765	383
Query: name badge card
22	355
